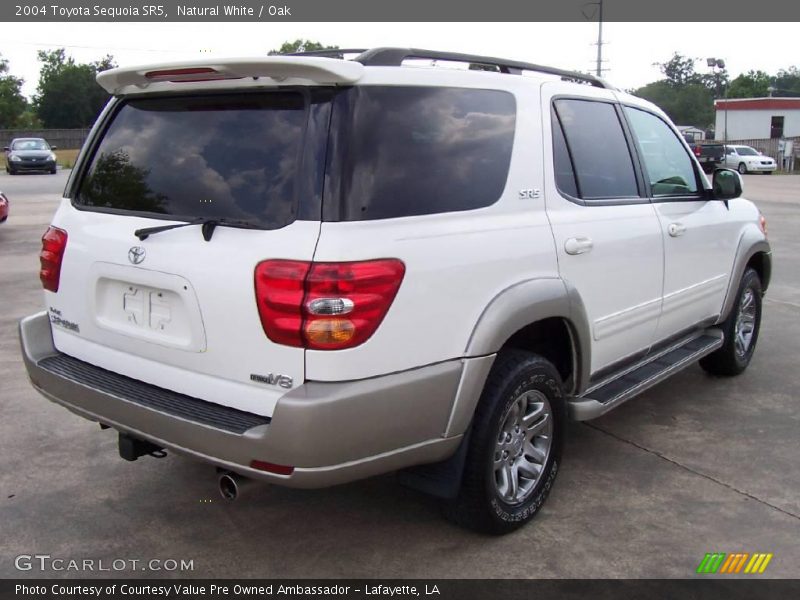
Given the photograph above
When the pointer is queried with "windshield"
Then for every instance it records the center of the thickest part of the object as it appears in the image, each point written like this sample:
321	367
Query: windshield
230	158
746	151
30	145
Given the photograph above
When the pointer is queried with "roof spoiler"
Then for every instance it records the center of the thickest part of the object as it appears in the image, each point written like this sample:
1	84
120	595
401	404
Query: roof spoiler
317	69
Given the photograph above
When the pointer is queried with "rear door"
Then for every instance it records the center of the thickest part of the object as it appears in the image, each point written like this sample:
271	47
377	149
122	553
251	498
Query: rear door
606	232
177	309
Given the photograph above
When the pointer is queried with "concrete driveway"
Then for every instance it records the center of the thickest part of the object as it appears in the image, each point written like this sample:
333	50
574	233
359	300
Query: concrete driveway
695	465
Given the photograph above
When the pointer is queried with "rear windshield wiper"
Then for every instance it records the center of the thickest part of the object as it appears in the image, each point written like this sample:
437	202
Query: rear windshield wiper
208	226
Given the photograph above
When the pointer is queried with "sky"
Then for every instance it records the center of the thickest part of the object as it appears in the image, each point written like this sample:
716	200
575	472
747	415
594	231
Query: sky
630	52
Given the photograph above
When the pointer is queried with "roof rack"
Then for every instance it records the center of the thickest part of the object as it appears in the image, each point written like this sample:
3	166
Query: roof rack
394	57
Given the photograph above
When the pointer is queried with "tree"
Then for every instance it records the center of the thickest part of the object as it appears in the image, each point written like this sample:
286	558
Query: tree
686	104
679	70
684	94
787	82
28	119
753	84
12	102
301	45
116	183
68	95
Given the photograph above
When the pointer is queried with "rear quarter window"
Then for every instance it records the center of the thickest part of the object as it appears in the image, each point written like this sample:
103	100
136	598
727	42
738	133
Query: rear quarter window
405	151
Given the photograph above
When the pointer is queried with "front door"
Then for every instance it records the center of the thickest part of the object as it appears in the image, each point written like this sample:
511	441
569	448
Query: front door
699	235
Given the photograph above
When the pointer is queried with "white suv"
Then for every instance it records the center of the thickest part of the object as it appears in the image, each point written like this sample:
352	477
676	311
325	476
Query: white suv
309	270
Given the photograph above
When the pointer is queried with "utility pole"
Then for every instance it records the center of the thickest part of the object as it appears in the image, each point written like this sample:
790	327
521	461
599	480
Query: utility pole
600	41
717	65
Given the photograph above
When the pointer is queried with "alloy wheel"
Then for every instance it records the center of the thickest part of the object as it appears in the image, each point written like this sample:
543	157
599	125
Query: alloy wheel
523	446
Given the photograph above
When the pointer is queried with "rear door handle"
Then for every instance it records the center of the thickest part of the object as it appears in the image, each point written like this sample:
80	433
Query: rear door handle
578	245
676	229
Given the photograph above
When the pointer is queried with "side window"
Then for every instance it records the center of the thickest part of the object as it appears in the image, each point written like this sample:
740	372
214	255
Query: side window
565	175
594	141
669	168
404	151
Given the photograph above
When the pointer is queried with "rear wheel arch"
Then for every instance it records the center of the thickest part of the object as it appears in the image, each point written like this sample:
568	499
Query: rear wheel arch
542	316
516	316
552	338
518	319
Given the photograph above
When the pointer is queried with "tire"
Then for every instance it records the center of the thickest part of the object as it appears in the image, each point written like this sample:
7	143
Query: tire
768	172
53	172
735	354
518	379
742	169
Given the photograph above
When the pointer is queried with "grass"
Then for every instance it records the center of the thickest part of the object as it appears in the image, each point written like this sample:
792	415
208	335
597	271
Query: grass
66	158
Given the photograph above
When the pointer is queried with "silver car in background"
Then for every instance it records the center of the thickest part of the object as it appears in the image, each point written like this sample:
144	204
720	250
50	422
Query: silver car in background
30	154
748	160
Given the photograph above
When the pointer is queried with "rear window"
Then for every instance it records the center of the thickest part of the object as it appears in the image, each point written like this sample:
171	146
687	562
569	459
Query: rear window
232	158
404	151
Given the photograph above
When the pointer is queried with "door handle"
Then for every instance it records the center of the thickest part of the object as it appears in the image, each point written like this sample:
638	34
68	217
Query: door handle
579	245
676	229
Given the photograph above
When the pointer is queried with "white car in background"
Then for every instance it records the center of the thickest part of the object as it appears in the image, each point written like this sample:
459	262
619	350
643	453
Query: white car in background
748	160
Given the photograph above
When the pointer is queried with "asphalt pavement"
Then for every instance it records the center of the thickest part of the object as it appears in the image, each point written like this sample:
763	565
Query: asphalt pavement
694	465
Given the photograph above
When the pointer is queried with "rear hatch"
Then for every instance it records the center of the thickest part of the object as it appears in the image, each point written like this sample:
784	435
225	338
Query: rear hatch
242	174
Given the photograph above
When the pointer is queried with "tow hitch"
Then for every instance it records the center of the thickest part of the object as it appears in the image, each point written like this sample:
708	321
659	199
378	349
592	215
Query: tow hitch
131	448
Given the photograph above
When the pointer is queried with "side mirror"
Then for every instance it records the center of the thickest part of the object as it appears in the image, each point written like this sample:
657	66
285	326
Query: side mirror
53	147
726	184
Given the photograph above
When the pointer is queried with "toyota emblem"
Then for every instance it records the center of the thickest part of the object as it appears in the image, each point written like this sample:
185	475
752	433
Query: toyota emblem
136	254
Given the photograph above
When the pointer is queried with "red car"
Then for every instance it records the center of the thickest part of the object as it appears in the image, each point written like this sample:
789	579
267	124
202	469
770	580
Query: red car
3	207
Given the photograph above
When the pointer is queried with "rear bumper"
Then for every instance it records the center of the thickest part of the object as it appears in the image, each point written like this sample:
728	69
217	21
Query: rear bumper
330	433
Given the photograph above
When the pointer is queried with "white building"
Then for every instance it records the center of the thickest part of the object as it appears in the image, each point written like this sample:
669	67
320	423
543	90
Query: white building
757	118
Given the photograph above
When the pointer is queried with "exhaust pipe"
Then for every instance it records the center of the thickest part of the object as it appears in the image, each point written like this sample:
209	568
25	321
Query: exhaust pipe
231	484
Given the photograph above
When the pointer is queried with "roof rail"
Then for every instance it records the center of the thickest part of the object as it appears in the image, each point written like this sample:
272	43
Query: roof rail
394	57
329	53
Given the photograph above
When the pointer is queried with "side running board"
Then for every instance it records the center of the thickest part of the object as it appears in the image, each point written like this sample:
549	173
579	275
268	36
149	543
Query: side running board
653	369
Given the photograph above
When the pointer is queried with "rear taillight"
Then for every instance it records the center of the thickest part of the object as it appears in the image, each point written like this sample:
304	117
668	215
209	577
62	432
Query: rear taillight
54	242
280	287
188	75
697	151
325	306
